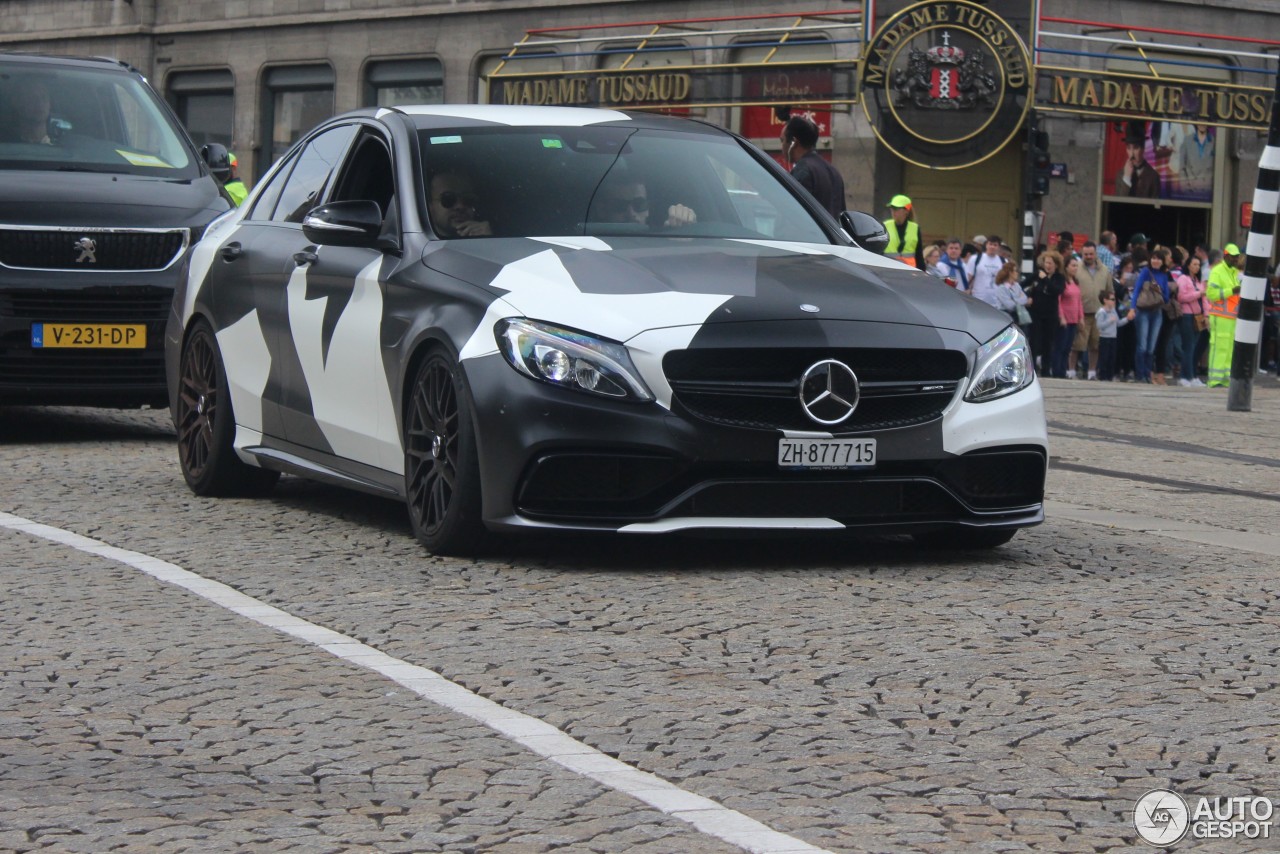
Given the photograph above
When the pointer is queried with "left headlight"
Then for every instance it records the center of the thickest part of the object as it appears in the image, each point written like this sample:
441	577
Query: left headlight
1004	365
569	359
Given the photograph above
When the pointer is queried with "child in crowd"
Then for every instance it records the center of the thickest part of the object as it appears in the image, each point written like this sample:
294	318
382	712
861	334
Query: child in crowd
1108	323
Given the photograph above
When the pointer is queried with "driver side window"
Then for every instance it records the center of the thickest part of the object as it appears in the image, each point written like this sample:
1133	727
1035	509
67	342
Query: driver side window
368	175
310	173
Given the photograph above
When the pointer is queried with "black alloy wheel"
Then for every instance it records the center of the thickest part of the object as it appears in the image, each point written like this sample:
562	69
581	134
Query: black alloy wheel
206	425
442	472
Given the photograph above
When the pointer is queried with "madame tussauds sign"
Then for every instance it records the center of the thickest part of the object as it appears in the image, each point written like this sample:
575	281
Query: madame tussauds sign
946	83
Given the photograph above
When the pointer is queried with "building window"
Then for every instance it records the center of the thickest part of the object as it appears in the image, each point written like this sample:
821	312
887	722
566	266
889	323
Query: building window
404	81
205	104
530	60
297	98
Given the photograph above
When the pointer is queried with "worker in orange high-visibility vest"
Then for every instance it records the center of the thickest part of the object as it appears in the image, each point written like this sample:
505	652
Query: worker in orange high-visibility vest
904	233
1223	294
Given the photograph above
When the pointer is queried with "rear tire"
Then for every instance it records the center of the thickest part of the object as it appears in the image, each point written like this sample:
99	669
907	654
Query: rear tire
206	424
965	539
442	468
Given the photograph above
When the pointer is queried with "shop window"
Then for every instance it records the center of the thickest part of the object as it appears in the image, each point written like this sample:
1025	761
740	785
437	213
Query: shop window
404	81
205	104
780	81
526	61
656	53
1178	161
296	99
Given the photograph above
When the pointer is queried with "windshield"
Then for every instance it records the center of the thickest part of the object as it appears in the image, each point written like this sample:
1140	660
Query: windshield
71	119
543	182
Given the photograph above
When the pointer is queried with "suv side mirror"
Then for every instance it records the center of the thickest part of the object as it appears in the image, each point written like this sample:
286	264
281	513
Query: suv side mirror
866	231
218	159
344	224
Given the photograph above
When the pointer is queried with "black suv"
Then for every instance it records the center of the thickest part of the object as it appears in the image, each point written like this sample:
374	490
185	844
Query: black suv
102	193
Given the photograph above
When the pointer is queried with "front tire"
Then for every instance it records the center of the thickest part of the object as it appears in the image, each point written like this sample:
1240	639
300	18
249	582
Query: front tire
442	469
206	424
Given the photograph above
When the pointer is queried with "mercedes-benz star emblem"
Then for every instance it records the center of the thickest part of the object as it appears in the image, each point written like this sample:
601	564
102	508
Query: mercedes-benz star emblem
829	391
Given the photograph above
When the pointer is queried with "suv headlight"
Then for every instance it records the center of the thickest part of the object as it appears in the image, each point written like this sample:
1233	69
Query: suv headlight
1004	365
569	359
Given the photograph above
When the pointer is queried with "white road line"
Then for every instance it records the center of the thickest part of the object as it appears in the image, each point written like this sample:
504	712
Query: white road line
538	736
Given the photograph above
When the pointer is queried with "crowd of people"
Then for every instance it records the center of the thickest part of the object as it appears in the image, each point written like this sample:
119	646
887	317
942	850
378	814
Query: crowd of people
1145	313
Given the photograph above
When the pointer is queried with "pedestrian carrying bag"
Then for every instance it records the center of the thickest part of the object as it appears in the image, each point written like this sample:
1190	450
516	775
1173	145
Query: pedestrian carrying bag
1172	310
1150	296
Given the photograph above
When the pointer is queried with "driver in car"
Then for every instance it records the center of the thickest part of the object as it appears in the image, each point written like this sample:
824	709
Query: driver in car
30	110
453	207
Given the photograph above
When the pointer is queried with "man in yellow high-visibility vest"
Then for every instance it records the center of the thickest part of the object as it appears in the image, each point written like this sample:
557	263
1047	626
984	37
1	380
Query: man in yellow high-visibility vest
1223	294
235	187
904	233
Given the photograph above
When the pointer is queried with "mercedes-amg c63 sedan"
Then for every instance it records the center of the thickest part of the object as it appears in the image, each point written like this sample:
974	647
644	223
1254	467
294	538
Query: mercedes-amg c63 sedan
522	318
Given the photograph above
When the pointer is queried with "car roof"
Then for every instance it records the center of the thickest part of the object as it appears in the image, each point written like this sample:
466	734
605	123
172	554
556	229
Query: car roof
102	63
428	116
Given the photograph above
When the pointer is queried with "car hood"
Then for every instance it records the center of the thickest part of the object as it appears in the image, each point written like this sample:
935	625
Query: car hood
620	287
88	199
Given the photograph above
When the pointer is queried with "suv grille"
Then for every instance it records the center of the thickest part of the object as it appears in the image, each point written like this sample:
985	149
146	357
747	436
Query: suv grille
88	305
109	249
759	389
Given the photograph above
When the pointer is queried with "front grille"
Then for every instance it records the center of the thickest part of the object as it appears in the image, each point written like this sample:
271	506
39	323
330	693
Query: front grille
856	501
112	250
626	486
97	370
759	389
88	305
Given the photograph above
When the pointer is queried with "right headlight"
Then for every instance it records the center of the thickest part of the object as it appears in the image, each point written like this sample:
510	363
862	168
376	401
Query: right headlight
570	359
1004	365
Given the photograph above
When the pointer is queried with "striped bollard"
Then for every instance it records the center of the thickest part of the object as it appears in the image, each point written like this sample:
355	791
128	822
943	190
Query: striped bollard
1253	285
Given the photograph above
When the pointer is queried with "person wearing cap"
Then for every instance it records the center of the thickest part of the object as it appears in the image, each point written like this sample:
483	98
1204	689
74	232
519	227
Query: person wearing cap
820	178
1223	293
234	186
904	233
1137	177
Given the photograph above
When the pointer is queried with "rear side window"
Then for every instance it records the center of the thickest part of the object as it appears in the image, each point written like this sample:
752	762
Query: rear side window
87	120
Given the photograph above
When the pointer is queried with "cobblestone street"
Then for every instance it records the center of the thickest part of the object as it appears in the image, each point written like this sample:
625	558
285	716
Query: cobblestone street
852	696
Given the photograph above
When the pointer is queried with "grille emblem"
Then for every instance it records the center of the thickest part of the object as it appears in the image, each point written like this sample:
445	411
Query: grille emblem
88	249
829	391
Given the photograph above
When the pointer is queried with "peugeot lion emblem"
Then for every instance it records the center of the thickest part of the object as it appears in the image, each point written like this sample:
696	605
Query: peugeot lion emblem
88	249
829	391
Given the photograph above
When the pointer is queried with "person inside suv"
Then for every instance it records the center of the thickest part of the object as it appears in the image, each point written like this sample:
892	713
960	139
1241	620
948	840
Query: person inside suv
28	103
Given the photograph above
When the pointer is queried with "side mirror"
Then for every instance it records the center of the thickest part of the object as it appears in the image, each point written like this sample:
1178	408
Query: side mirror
344	224
218	159
866	231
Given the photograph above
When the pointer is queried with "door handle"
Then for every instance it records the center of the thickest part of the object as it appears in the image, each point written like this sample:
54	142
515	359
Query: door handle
306	256
232	251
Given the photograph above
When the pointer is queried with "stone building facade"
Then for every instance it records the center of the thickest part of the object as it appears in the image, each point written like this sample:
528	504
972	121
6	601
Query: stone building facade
254	74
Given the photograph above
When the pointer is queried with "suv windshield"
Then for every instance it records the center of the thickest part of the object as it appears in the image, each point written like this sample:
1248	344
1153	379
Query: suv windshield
543	182
84	119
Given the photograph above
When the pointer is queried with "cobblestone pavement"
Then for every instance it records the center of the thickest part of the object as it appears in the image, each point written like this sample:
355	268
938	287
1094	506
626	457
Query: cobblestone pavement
861	696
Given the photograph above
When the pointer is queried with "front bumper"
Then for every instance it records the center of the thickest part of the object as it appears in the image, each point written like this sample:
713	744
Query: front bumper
552	458
83	377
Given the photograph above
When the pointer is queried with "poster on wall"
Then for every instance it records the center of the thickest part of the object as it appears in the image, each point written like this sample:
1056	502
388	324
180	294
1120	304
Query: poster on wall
1170	161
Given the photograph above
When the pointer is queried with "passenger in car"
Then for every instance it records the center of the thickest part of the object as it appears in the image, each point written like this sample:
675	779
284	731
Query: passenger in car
627	201
453	207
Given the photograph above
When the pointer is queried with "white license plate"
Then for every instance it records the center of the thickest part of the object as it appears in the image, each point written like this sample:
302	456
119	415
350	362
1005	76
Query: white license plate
826	453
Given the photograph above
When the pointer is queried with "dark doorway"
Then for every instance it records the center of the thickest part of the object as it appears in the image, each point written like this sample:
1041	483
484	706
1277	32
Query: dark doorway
1168	225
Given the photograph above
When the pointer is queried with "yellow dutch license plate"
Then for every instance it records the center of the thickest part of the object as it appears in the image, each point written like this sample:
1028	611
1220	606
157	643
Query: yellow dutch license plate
131	336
